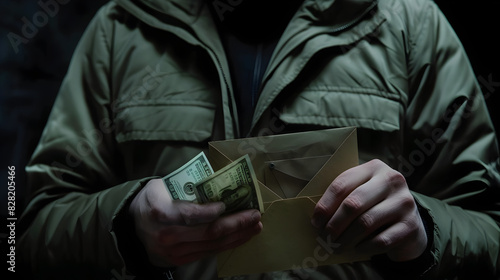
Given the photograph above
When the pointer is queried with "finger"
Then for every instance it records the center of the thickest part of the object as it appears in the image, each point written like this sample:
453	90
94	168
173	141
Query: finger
392	237
159	206
338	190
212	246
232	223
370	222
188	213
185	259
221	227
243	239
186	252
355	204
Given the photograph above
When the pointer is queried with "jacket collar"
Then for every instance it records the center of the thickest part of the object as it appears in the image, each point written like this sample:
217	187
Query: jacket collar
184	10
334	13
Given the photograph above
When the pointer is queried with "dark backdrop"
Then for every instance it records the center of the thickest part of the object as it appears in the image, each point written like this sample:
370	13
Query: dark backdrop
30	77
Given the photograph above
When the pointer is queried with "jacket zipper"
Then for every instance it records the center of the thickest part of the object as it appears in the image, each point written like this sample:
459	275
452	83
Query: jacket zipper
168	275
256	74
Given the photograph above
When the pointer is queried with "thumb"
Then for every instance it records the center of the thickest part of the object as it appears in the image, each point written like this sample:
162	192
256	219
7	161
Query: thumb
192	213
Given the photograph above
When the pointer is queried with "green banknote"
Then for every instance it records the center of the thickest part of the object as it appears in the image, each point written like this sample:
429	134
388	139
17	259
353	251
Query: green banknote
181	182
235	185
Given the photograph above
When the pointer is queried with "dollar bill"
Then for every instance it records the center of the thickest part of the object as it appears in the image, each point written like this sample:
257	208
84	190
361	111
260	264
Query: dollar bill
235	185
181	182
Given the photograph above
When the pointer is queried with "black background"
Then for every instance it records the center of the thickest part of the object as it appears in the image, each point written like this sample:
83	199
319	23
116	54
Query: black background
29	79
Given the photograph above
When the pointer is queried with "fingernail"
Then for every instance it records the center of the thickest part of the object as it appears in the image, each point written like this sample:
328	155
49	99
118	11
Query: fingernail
260	225
256	216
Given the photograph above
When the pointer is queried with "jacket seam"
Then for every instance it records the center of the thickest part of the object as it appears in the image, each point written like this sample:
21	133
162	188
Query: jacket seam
167	104
158	131
365	91
347	118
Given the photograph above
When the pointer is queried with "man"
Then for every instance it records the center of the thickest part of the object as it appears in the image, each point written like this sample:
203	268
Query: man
152	82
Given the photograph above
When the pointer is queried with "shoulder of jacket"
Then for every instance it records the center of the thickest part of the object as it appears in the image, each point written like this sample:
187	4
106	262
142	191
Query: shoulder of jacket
408	10
412	15
415	6
110	11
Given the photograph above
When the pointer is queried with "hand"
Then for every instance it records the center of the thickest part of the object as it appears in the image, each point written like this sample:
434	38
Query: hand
370	207
179	232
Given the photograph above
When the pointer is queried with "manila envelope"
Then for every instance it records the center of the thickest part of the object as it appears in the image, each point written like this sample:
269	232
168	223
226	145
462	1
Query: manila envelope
293	171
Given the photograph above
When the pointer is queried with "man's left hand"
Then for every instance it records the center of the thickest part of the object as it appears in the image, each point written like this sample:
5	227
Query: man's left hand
370	207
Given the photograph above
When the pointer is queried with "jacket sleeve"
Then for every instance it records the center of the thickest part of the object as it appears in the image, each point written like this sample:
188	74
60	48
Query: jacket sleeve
451	157
76	187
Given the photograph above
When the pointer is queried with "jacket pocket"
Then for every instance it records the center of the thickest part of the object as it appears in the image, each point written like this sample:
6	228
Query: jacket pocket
363	108
377	116
187	121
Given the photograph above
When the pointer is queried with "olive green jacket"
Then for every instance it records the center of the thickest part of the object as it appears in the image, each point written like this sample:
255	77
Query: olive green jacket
149	85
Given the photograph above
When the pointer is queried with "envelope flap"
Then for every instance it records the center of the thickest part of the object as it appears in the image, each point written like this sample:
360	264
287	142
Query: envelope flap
218	159
303	168
267	194
278	147
345	157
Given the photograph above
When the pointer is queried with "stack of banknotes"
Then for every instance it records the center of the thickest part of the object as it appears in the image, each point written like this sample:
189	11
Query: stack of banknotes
235	184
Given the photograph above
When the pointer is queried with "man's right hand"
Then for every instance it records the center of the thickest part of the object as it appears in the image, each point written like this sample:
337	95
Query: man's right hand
177	232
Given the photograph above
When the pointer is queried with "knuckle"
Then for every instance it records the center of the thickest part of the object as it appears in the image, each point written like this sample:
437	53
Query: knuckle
375	164
321	210
352	204
383	241
190	214
395	179
411	227
338	187
366	221
407	202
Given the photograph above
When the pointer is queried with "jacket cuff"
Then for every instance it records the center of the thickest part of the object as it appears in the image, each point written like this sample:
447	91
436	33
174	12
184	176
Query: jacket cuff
130	247
414	269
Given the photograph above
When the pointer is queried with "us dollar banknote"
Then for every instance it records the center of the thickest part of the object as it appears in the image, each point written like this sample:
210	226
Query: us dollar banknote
235	185
181	182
